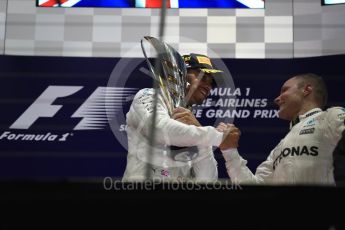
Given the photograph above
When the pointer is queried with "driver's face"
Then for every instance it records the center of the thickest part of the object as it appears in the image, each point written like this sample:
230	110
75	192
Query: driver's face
200	86
290	99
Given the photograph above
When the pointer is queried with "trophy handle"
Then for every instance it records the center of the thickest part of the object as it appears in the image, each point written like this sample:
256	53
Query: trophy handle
145	55
163	89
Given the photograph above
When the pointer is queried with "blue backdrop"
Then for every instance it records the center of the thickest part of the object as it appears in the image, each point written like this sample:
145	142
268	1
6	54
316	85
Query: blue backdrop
74	141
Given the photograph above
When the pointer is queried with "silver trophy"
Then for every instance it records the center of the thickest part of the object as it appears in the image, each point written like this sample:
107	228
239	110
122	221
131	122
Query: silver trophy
171	75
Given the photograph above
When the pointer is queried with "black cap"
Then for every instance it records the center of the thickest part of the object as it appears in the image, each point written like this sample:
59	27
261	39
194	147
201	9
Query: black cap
199	61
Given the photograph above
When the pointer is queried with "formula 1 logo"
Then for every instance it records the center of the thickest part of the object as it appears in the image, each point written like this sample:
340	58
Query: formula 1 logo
94	111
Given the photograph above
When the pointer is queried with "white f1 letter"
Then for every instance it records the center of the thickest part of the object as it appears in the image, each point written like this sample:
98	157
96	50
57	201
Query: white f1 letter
43	107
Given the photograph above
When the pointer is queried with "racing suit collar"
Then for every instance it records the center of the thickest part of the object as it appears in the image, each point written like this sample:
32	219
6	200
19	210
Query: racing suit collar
303	116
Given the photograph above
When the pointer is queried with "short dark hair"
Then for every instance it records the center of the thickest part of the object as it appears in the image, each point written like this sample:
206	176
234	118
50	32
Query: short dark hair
319	86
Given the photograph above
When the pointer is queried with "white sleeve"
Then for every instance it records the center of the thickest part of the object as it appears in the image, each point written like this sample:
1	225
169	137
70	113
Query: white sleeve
335	124
168	131
205	166
239	172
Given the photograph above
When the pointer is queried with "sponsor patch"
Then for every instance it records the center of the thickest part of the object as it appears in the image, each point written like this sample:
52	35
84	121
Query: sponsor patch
310	123
296	151
204	60
341	115
165	173
307	131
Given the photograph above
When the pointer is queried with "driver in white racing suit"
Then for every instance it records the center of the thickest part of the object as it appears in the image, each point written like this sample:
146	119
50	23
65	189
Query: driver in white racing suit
170	131
305	155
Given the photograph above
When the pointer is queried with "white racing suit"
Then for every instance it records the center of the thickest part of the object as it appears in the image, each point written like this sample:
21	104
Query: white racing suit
159	162
304	156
